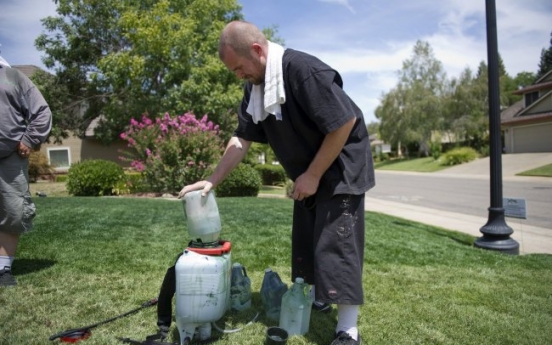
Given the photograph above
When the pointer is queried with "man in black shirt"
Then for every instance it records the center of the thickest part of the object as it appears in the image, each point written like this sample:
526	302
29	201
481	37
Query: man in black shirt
296	103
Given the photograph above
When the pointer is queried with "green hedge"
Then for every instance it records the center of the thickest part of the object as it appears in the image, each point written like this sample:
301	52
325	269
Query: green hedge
244	180
95	177
271	175
459	156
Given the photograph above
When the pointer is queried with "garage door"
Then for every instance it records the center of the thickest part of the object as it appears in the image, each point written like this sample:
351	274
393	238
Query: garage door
534	138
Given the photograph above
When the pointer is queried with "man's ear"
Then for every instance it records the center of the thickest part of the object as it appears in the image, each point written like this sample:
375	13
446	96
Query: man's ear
257	50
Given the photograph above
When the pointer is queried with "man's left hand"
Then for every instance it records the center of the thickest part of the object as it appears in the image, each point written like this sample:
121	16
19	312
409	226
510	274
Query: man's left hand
23	150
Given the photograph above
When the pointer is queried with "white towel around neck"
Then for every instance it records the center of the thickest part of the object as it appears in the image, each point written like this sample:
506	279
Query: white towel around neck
265	99
4	62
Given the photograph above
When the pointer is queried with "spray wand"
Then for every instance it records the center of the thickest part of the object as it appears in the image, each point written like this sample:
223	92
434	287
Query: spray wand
77	334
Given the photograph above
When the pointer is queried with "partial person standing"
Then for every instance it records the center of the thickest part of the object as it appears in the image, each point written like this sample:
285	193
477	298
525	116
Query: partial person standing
25	123
296	103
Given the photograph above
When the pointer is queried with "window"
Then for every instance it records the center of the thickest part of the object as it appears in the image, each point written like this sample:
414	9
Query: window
59	157
531	97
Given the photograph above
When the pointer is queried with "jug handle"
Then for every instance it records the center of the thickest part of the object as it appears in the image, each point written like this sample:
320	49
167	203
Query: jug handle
184	206
244	271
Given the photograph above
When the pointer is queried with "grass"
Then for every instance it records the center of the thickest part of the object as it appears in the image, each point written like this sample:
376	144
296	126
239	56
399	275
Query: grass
49	188
272	190
545	171
90	259
426	164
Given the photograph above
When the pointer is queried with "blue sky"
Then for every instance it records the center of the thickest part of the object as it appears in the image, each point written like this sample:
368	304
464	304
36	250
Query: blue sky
365	40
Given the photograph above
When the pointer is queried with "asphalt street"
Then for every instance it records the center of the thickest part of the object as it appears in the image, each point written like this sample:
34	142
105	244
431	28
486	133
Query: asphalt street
465	195
458	198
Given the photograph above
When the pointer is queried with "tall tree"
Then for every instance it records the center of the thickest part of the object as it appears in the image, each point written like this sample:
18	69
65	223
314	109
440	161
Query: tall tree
466	105
523	79
56	94
545	63
121	59
394	125
422	80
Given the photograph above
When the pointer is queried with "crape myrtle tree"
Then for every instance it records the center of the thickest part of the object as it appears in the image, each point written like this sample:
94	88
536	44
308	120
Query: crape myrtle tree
172	151
121	59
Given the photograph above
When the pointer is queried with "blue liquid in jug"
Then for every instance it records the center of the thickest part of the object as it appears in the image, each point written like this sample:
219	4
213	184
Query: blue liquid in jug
272	291
240	288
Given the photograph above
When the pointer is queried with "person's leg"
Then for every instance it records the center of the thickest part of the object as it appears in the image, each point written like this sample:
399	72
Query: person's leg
302	248
8	247
339	257
16	211
8	244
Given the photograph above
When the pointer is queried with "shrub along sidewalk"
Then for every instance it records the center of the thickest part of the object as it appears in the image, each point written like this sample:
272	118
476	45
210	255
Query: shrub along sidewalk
90	259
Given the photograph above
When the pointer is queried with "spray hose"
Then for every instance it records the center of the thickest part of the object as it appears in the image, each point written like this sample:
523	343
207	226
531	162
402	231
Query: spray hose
235	329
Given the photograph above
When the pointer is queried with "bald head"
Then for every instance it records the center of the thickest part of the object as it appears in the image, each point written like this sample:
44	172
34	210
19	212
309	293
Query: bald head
240	36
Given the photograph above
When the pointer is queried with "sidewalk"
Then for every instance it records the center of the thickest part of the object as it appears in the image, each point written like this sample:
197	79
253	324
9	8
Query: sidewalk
531	239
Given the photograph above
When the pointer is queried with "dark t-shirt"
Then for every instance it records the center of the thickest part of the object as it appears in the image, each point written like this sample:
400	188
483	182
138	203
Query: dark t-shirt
315	106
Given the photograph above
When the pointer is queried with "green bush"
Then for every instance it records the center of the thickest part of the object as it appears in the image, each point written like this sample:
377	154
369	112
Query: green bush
485	151
136	182
459	156
435	149
95	177
271	175
244	180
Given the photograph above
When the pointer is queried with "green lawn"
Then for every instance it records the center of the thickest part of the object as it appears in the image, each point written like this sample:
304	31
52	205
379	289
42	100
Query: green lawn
90	259
273	190
426	164
545	171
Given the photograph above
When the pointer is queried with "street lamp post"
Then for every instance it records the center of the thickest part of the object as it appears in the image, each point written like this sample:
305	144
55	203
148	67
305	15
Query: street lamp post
496	233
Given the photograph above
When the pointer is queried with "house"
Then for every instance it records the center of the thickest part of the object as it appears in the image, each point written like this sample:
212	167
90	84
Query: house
76	149
527	125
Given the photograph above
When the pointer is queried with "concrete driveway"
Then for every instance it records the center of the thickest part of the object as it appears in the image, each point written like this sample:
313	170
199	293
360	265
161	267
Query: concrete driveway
512	164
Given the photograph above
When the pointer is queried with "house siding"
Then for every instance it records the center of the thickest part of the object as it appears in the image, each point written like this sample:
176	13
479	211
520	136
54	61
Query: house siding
80	150
527	128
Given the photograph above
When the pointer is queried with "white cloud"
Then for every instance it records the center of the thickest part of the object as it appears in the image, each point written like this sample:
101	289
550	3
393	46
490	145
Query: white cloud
365	40
342	3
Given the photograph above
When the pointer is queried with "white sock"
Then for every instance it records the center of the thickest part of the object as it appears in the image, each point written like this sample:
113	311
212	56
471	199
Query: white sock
347	316
6	261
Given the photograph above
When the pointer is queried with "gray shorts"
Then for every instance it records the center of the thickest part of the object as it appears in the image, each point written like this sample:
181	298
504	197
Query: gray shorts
328	247
16	207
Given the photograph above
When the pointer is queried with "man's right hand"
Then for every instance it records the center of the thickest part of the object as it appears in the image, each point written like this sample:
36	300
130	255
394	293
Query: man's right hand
205	185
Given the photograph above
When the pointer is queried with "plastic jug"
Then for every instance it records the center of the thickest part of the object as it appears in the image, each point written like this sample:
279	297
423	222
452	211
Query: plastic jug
202	216
296	308
272	291
240	288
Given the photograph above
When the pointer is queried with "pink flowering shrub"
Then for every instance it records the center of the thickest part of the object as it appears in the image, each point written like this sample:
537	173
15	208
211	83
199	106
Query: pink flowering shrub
172	152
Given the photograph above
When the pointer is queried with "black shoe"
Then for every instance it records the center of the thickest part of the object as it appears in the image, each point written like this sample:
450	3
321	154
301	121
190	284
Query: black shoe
322	307
6	278
342	338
